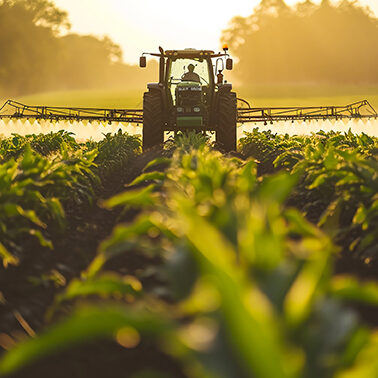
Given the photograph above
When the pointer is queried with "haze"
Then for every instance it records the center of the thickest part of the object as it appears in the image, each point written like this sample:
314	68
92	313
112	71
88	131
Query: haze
143	25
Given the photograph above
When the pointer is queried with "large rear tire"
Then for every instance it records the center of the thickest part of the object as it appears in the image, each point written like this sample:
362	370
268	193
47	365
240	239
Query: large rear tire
153	133
227	115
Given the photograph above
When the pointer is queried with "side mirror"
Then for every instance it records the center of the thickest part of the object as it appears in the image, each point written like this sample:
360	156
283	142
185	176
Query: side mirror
229	64
142	62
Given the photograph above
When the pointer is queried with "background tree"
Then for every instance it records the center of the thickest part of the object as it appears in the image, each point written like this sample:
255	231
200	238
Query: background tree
28	49
308	43
37	54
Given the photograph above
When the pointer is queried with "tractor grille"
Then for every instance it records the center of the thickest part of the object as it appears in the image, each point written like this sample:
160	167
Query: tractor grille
189	96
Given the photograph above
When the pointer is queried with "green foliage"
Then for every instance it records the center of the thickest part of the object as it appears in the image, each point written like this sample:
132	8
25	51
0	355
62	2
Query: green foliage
44	144
249	279
115	152
338	183
266	146
40	175
104	285
348	288
33	189
348	183
189	140
88	323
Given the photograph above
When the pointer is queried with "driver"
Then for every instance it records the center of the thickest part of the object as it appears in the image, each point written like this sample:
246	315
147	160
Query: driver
190	75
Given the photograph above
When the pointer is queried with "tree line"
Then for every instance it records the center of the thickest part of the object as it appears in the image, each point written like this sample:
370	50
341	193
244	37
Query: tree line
306	44
276	45
37	53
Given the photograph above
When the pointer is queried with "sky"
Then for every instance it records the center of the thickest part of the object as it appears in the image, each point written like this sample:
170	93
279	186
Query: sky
142	25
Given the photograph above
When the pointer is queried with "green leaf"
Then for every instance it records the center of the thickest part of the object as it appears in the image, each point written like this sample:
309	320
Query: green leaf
251	328
319	180
158	161
13	209
303	292
42	240
7	257
330	161
247	178
134	198
57	210
366	362
122	239
277	187
149	176
330	219
360	215
83	326
299	225
105	284
348	288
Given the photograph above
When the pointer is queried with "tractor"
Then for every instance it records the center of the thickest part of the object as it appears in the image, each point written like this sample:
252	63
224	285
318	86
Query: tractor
201	101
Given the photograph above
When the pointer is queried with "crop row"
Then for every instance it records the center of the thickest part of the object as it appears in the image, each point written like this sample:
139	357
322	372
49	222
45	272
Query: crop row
338	183
42	177
246	285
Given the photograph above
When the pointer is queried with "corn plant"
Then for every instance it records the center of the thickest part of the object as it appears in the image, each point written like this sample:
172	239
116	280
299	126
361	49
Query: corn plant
347	182
44	144
33	189
338	183
284	151
250	284
114	153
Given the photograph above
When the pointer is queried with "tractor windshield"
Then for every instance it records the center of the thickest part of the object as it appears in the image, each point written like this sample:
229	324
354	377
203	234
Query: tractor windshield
188	70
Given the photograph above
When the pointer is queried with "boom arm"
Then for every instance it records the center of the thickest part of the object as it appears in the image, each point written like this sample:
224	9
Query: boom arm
13	109
361	109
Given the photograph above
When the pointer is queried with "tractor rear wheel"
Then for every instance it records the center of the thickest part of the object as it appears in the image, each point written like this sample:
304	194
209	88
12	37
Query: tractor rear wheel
227	114
153	133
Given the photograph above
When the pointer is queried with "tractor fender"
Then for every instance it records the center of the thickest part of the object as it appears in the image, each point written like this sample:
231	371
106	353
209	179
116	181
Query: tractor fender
157	86
222	88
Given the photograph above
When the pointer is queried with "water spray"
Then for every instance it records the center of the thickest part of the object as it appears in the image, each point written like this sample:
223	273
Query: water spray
93	123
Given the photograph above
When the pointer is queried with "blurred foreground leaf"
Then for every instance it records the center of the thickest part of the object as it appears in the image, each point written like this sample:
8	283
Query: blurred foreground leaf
348	288
85	325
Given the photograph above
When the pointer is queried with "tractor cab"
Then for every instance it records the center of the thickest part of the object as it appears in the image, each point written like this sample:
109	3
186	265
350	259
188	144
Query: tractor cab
191	94
189	82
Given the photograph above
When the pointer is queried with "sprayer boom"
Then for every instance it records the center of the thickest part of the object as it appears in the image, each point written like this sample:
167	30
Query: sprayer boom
16	110
13	109
360	109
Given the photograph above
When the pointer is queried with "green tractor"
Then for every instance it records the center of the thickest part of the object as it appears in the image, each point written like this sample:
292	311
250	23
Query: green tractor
191	95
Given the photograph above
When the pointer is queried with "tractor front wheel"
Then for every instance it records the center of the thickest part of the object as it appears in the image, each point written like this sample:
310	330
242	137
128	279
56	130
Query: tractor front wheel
153	133
227	115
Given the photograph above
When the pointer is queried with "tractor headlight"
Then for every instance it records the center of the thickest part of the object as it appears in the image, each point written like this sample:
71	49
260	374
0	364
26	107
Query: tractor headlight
180	110
196	109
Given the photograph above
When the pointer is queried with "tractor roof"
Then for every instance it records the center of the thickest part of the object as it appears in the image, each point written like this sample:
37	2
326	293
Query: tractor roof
187	53
190	53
